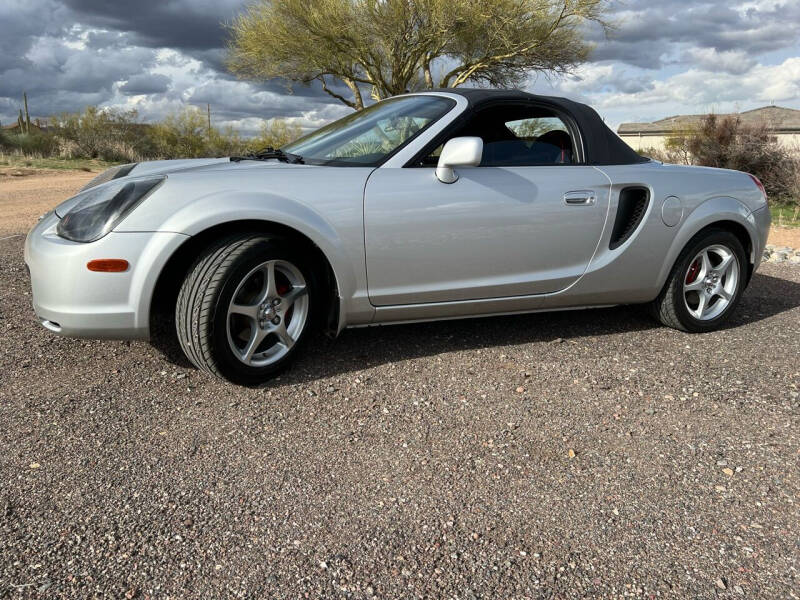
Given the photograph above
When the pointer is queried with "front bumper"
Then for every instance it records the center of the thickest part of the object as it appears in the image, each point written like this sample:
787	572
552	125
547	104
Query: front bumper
70	300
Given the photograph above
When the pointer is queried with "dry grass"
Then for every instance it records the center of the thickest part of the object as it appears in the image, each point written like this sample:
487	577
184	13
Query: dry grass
27	163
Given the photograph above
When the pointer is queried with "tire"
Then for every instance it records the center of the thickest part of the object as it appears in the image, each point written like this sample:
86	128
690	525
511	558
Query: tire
232	322
701	293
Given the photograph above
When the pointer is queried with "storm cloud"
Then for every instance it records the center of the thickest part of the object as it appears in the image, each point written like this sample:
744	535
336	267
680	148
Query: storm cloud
155	56
145	83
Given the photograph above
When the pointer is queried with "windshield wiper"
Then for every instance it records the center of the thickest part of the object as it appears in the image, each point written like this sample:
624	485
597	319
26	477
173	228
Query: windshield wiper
268	153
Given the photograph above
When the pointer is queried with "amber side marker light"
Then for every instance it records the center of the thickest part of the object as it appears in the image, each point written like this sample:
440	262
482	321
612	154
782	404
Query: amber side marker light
108	265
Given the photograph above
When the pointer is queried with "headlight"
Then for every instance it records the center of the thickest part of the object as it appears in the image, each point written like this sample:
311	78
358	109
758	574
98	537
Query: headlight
92	214
110	174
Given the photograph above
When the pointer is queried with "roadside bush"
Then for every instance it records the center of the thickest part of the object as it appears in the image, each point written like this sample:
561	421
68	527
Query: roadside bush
29	144
275	133
119	136
183	134
101	133
726	142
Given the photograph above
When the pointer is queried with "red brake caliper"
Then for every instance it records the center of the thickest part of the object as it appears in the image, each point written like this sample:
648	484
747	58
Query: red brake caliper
693	271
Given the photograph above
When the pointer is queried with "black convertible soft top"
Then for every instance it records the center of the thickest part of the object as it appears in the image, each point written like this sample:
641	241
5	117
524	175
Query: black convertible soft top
601	145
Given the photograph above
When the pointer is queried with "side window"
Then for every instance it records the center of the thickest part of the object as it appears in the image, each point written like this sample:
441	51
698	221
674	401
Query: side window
432	159
530	129
516	136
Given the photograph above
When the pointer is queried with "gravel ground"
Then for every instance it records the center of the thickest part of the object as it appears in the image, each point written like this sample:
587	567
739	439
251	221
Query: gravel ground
586	454
569	455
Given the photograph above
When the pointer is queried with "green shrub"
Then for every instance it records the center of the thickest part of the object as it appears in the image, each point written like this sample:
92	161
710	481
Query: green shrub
32	144
118	136
107	134
182	134
275	133
185	134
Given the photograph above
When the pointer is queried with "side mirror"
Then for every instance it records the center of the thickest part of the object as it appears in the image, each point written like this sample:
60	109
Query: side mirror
458	152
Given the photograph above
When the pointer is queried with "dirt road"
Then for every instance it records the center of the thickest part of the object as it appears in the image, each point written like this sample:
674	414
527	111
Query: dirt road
24	198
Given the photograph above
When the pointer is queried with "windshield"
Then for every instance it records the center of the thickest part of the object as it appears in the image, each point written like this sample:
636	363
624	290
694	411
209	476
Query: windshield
366	138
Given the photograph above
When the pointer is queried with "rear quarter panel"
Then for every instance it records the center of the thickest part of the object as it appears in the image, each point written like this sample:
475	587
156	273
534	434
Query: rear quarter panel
637	270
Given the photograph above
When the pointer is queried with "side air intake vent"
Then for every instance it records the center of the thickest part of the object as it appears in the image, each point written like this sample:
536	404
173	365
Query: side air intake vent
630	212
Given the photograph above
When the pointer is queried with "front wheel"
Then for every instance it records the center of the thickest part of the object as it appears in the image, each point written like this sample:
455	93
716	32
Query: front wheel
705	285
245	308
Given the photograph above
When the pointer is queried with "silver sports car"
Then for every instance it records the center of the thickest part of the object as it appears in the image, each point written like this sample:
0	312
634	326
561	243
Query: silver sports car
443	204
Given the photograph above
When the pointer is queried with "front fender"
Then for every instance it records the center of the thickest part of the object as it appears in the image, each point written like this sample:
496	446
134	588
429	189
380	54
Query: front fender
213	210
713	210
338	232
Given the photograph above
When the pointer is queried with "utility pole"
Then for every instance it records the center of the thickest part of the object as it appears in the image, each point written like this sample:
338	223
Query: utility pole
208	108
27	114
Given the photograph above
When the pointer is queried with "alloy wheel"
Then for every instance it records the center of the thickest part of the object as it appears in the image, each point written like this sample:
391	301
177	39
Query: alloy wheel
711	282
267	313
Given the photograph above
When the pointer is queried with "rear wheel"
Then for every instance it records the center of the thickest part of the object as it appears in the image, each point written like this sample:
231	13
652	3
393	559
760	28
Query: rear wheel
245	308
705	285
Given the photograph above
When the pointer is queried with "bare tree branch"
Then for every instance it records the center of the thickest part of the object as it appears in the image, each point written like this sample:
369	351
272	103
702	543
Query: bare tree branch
339	97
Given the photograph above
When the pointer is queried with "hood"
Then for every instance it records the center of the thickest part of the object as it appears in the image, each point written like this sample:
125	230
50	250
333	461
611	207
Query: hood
188	165
168	167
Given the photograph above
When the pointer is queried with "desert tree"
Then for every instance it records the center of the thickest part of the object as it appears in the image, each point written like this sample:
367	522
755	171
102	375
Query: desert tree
388	47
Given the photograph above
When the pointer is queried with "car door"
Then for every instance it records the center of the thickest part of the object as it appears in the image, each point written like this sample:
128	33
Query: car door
499	231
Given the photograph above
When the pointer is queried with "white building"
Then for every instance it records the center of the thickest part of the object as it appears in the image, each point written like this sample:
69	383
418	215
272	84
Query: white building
784	123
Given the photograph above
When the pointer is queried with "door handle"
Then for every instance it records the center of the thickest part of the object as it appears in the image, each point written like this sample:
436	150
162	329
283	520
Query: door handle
581	198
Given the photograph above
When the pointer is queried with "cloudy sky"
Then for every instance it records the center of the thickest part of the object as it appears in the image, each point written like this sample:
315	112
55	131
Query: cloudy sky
667	57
